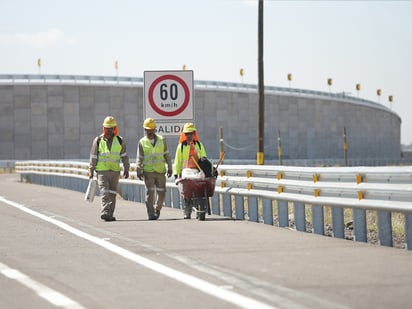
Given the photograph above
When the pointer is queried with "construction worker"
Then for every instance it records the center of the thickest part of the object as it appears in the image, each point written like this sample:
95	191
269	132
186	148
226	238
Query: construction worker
107	151
189	152
151	160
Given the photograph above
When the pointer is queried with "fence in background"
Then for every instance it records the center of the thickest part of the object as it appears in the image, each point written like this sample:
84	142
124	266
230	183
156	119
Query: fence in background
277	195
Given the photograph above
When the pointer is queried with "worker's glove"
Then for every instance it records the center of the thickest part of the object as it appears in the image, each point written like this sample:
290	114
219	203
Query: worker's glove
140	176
169	174
175	176
126	174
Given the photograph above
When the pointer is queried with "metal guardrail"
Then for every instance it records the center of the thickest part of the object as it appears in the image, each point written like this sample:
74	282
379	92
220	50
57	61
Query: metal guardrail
256	193
33	78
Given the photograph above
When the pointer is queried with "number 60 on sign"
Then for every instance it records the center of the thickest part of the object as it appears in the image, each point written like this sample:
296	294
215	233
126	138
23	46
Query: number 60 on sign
168	95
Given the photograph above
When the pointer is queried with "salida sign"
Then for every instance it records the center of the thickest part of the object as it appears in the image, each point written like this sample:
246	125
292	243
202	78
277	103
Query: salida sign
168	99
169	128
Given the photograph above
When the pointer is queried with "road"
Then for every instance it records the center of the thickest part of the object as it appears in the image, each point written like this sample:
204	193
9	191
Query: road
56	252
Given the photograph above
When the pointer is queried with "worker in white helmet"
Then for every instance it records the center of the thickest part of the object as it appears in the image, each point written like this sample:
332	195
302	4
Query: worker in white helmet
151	160
108	149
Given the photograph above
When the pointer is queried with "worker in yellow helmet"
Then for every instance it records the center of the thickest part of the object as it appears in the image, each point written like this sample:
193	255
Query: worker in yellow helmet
108	149
190	153
151	160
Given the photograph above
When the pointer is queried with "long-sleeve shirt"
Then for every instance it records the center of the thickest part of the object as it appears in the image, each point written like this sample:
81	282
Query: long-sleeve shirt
182	155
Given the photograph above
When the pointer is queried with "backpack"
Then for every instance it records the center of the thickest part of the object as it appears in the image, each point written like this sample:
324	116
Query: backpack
206	166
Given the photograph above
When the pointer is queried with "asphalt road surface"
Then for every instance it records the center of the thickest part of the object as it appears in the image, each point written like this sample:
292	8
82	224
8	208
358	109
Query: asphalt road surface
55	252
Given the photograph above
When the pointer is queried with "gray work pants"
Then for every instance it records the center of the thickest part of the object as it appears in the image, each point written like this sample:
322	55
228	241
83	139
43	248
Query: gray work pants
108	182
155	183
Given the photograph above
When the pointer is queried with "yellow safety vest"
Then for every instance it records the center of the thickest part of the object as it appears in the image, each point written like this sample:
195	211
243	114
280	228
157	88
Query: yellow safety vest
153	155
109	160
182	155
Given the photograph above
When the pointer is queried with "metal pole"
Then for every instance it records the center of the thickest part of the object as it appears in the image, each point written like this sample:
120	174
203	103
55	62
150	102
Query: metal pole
279	148
345	147
221	144
261	120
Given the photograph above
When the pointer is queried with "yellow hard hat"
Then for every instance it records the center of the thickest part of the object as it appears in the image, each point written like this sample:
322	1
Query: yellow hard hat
109	122
149	124
189	128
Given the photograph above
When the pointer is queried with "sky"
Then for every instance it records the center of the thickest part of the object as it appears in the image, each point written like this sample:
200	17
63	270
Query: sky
353	42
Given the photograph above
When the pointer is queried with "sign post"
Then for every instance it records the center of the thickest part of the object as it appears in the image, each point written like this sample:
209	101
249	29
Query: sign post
168	98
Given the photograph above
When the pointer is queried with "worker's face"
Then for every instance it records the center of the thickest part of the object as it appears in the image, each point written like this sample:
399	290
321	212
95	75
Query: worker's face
189	137
109	132
150	133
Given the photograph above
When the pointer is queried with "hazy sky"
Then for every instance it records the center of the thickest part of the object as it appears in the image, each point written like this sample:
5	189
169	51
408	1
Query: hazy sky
366	42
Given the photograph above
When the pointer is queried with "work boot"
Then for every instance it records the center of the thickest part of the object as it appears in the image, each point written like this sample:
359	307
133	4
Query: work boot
157	214
107	218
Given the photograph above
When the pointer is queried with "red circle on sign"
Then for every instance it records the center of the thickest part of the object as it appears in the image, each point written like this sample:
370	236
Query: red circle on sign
185	102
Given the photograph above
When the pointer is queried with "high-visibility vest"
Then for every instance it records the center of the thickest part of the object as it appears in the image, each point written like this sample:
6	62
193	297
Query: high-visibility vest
153	155
182	155
109	160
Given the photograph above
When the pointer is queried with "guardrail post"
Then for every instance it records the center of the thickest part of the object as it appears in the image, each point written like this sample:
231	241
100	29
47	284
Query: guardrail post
300	218
142	194
227	205
359	225
318	221
408	231
136	195
121	188
267	211
85	183
338	222
283	213
239	207
253	209
168	200
385	228
176	198
216	204
125	191
131	192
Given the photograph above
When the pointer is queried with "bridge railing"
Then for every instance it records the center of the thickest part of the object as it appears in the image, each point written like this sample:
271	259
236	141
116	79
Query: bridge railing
286	196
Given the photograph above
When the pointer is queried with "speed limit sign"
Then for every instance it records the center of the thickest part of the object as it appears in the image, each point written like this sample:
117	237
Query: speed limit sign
168	95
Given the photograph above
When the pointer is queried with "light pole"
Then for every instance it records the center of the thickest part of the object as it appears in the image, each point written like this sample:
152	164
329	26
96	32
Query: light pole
261	109
358	88
116	67
330	82
378	93
39	65
390	99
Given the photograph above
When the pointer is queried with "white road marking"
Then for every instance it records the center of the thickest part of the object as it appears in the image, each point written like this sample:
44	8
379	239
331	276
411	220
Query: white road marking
194	282
50	295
